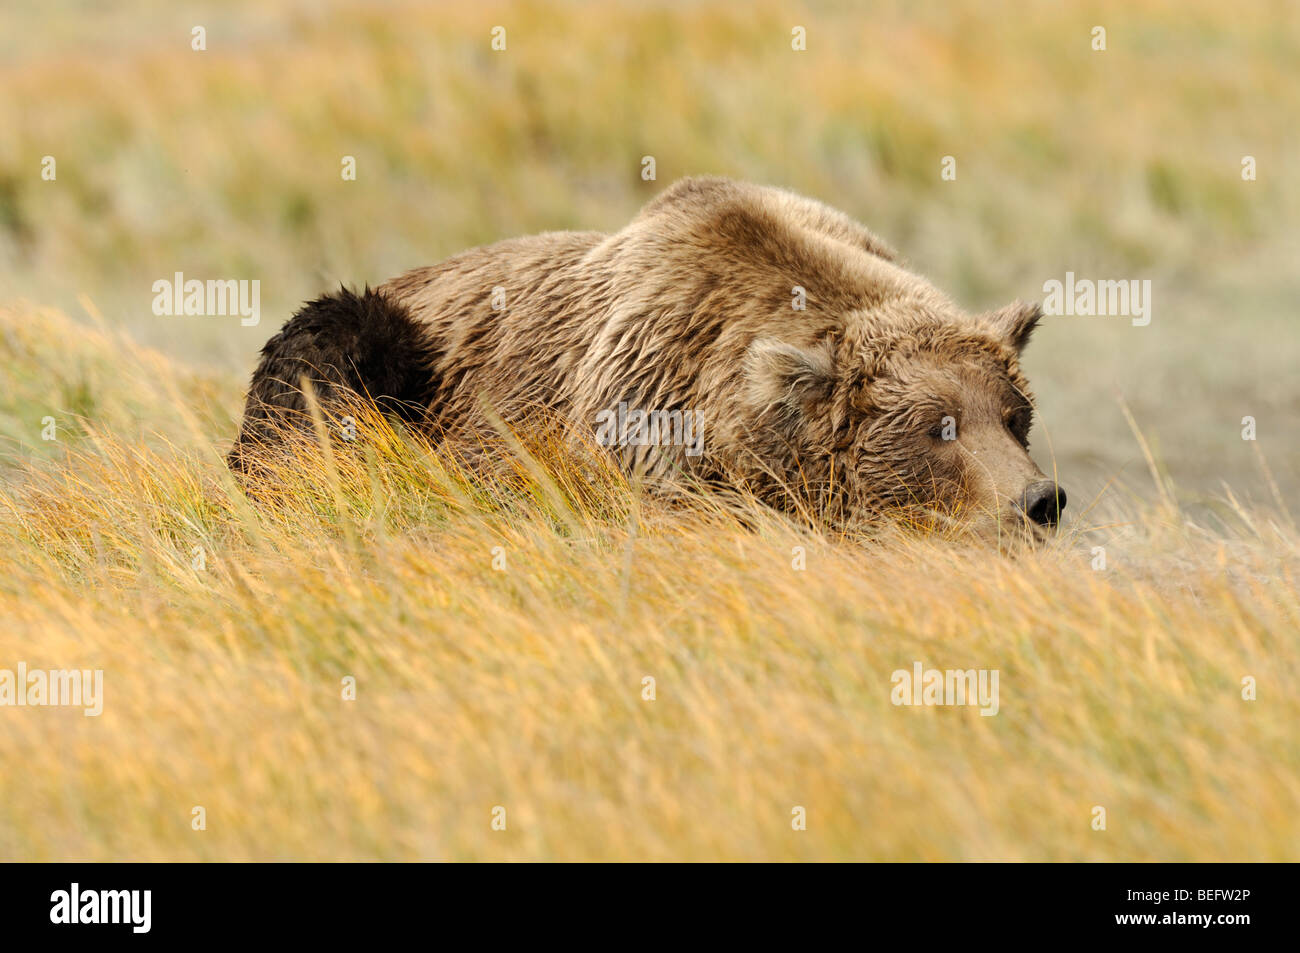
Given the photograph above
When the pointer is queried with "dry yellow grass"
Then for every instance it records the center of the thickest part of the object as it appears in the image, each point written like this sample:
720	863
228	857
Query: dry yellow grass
521	687
1119	164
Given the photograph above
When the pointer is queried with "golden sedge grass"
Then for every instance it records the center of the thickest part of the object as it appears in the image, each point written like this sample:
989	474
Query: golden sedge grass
500	627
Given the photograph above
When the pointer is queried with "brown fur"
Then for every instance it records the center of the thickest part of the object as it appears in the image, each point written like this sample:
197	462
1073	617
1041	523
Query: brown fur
690	308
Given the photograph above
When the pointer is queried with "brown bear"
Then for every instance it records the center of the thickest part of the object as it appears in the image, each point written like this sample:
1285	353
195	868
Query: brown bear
731	334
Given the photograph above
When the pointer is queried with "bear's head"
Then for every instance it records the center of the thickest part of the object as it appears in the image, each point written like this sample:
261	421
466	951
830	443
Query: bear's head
910	407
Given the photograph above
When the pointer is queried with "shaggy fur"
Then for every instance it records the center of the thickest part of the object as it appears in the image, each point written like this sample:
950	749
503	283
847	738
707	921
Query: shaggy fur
689	308
342	343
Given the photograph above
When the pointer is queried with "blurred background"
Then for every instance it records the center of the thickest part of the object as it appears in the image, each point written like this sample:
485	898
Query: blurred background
1122	163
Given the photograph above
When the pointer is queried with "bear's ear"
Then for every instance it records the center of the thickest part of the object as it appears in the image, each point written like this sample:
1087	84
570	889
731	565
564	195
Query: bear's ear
787	380
1015	323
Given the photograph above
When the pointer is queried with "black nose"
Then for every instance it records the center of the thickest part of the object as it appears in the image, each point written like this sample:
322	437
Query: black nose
1043	502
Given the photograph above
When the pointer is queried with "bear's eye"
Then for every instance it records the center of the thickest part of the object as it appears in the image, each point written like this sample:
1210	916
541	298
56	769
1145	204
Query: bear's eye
1018	422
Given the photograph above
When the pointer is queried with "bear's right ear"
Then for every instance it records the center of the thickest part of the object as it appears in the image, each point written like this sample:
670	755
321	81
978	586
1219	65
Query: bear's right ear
787	381
1016	322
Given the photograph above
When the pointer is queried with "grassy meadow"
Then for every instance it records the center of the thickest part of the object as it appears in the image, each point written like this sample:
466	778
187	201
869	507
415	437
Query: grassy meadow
498	630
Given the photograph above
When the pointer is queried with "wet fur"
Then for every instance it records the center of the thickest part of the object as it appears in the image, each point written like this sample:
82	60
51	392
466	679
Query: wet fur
687	308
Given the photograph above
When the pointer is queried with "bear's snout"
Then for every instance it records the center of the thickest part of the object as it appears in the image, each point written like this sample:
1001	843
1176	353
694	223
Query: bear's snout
1043	502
